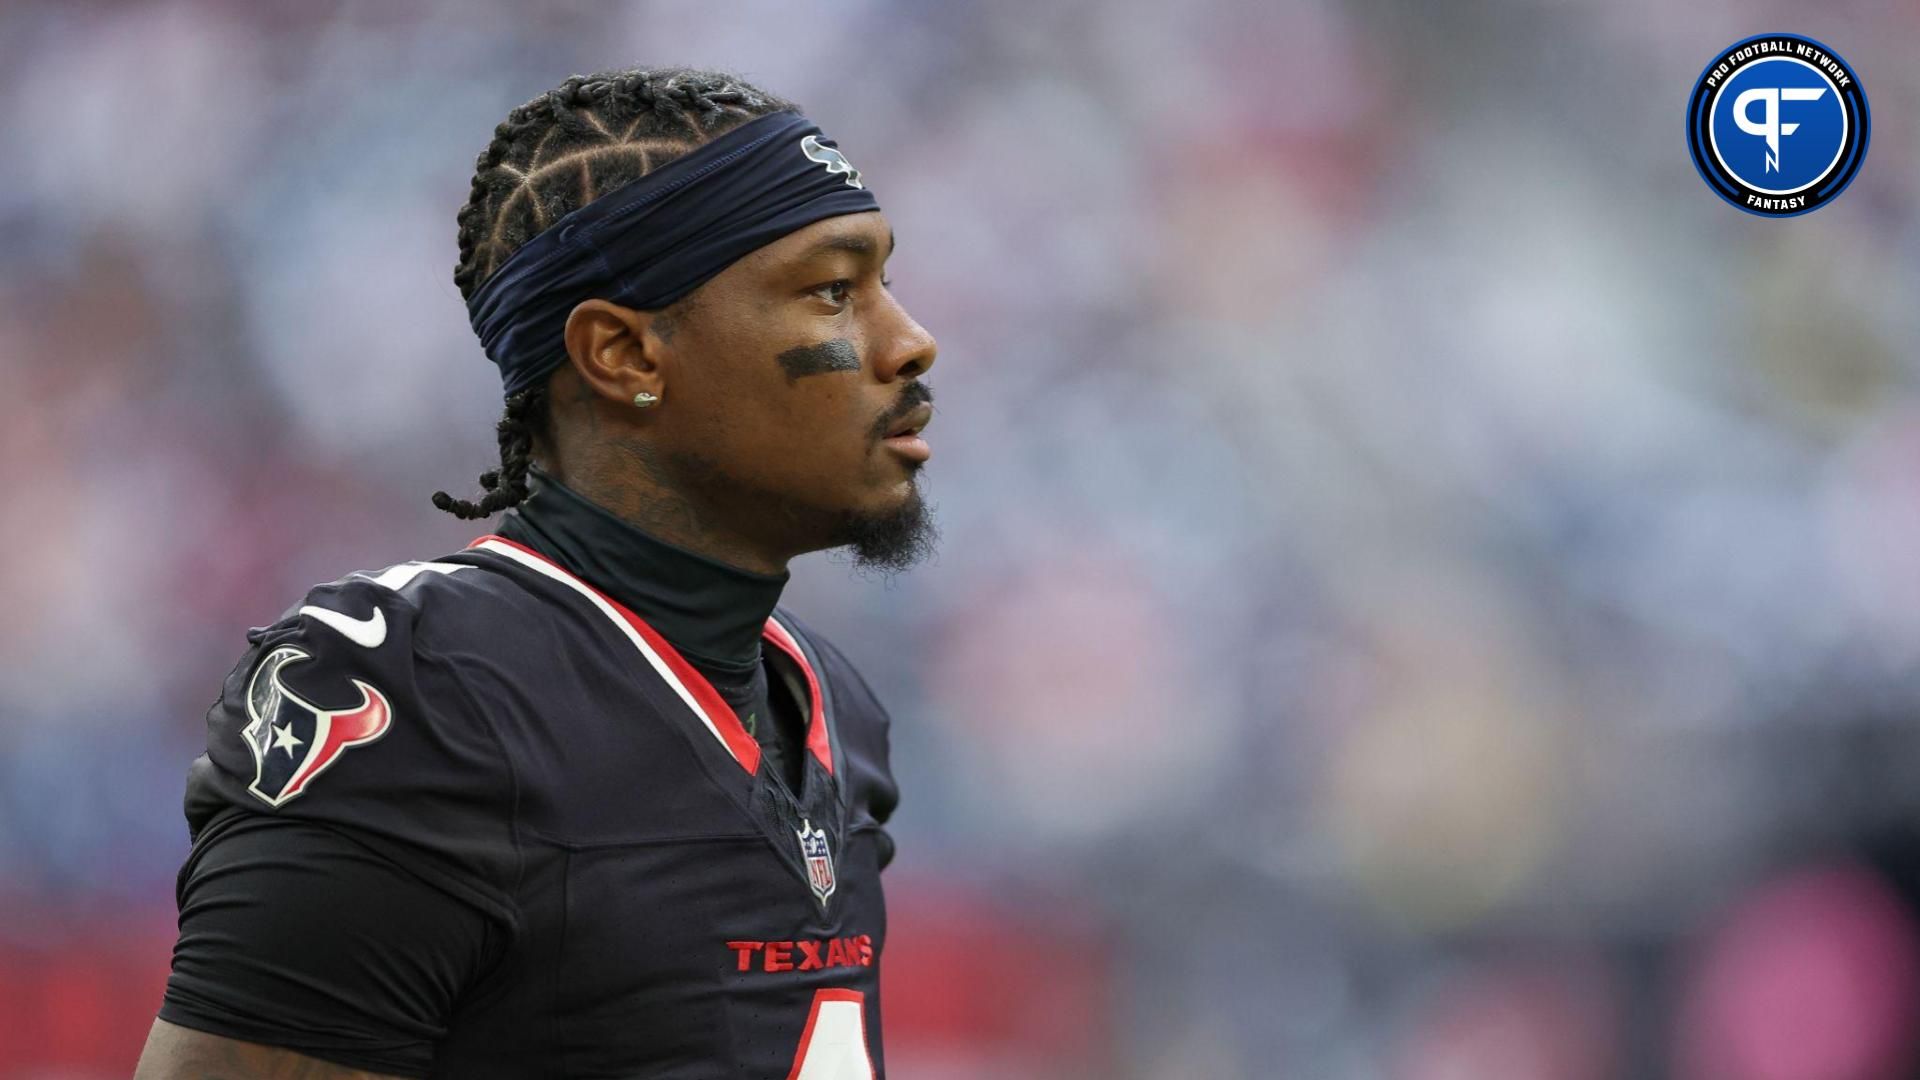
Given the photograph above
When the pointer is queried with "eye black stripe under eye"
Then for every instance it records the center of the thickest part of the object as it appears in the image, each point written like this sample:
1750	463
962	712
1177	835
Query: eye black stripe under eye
819	359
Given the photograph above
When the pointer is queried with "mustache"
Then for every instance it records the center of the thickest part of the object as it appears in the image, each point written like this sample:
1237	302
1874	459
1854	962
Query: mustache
915	394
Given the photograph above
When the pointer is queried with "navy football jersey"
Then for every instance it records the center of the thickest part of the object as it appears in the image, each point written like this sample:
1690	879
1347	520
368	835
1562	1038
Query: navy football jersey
473	818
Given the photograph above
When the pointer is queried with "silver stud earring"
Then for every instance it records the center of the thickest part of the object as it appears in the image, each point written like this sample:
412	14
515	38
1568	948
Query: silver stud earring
644	400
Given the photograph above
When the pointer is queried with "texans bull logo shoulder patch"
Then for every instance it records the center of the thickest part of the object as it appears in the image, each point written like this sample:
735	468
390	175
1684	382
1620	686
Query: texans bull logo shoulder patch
294	740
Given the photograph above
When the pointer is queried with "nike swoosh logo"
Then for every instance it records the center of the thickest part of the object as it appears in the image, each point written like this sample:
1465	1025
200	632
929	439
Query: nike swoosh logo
367	633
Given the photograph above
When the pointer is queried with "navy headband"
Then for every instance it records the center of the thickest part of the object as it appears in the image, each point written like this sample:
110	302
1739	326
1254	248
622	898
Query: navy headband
653	241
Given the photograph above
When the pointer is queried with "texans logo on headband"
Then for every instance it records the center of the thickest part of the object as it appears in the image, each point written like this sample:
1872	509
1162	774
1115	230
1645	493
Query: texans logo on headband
834	160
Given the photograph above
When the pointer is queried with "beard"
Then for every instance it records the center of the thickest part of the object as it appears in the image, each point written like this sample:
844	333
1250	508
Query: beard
890	541
884	542
895	539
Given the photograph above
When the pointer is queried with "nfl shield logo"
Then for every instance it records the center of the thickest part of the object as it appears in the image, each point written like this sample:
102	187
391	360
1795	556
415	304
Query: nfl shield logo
819	860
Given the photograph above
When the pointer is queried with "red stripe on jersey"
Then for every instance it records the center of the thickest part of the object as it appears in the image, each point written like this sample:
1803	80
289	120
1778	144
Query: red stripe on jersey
817	740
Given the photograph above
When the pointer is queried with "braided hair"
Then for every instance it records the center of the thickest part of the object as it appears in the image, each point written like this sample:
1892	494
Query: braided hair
554	155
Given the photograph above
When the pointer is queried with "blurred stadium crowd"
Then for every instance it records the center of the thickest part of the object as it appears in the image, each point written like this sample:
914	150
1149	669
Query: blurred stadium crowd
1428	591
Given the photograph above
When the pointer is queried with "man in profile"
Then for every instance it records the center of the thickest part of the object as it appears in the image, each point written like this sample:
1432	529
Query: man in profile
580	800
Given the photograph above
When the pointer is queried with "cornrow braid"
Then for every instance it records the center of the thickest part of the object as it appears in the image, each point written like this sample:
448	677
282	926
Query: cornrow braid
554	155
507	485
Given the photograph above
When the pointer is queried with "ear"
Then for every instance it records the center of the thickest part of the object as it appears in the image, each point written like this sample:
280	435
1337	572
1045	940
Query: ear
615	350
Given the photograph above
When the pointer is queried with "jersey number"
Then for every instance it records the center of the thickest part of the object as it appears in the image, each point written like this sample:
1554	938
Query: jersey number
834	1044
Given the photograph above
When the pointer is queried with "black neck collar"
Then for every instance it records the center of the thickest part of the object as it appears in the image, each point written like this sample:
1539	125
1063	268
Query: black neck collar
712	612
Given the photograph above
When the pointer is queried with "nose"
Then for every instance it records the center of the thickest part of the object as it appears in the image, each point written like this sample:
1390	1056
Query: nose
909	350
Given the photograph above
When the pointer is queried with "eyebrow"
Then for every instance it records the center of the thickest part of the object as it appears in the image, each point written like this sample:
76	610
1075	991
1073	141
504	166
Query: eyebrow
855	243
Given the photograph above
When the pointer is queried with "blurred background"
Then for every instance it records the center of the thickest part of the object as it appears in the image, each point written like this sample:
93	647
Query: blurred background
1429	592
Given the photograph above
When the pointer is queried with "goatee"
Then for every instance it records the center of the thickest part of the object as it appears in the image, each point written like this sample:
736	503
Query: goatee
889	542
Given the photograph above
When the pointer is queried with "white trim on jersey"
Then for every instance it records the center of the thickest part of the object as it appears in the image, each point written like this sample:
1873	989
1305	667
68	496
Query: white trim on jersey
397	576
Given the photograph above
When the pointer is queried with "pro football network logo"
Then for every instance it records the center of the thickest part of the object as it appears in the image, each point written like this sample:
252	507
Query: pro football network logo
294	740
1778	125
819	859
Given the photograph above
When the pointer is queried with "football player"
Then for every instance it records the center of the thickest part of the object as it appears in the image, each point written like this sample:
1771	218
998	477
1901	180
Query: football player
581	800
